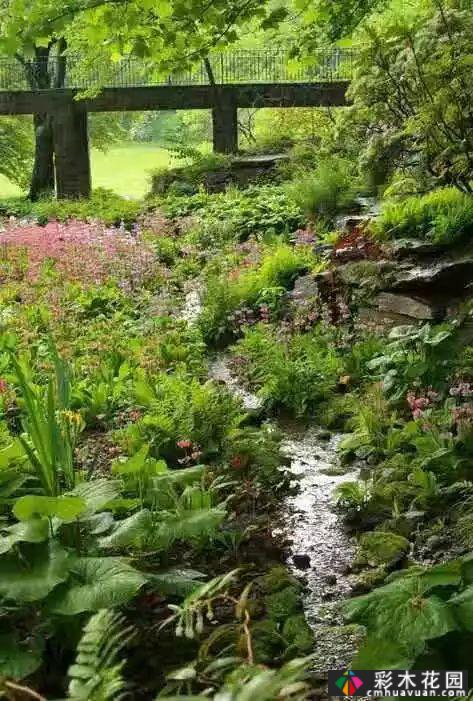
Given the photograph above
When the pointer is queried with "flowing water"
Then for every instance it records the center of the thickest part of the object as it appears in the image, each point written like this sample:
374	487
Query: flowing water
308	521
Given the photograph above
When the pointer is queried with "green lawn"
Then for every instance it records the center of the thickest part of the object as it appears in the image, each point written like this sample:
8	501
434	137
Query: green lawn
124	169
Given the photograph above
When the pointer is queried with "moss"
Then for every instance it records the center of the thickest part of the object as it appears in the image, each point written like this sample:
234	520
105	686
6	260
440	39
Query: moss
298	635
284	603
284	631
268	642
381	548
367	580
276	579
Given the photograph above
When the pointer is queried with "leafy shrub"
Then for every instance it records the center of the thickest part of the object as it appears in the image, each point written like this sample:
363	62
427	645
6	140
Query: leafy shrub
184	420
103	204
443	217
250	289
326	191
424	355
256	210
428	604
295	374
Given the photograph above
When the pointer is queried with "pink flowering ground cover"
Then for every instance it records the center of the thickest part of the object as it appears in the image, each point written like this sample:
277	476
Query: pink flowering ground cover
89	253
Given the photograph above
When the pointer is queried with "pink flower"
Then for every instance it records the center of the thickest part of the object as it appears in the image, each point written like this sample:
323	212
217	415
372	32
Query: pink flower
461	389
239	462
418	405
135	415
184	444
87	252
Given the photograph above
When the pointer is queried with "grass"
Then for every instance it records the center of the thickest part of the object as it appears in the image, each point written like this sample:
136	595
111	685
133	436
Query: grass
8	189
123	169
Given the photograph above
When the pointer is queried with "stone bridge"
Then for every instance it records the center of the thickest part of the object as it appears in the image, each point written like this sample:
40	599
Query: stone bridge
222	83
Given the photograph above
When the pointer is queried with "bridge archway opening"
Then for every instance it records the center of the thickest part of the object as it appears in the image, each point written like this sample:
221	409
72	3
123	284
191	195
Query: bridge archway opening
138	144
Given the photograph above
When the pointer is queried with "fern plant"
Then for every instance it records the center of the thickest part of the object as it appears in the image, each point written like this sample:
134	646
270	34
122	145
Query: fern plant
96	674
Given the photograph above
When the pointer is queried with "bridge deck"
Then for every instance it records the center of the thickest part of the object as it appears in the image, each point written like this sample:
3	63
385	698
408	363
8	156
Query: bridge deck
171	97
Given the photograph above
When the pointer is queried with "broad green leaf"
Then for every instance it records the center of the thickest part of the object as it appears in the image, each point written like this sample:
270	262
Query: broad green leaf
98	524
185	476
18	659
132	531
383	653
447	574
97	493
418	618
96	583
195	524
177	582
33	576
10	482
462	607
33	531
438	338
134	465
142	530
66	508
11	453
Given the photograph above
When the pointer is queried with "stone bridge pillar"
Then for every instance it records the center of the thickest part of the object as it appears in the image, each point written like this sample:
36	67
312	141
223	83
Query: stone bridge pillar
225	123
71	149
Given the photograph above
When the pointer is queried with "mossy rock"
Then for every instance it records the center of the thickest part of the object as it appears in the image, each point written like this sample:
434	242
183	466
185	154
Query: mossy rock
284	603
402	525
368	580
276	579
298	635
381	548
268	642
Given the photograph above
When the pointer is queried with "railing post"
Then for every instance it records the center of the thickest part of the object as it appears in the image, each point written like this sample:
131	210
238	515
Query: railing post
71	149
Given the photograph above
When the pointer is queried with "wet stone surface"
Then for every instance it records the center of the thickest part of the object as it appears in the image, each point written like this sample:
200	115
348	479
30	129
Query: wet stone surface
220	372
192	304
315	528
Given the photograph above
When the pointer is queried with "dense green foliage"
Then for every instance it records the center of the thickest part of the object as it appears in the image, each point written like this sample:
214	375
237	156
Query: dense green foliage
103	205
412	93
15	149
326	191
139	543
443	217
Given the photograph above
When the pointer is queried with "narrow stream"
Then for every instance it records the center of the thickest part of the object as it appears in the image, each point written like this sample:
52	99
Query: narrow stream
319	548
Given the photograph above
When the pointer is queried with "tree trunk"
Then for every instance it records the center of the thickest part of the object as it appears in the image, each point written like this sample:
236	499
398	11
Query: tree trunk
42	179
39	76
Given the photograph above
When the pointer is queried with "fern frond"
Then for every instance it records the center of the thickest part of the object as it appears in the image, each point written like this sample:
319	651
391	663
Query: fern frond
96	673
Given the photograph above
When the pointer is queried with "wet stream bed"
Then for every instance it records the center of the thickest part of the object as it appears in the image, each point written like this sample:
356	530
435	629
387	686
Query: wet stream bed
319	548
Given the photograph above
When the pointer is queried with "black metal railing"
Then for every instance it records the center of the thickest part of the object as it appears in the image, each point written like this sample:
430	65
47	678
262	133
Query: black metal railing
229	67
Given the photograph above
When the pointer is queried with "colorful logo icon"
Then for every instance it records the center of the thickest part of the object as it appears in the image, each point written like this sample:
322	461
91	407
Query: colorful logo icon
349	683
